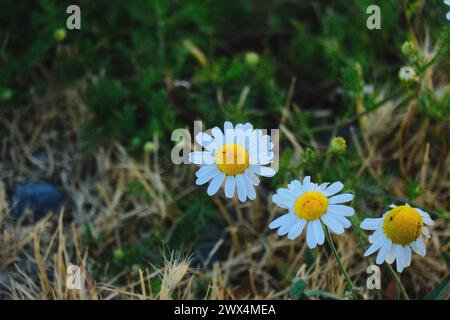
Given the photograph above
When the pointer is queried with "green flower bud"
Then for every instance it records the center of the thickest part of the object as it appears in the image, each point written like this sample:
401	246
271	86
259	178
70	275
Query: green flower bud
338	145
251	58
118	254
408	48
59	34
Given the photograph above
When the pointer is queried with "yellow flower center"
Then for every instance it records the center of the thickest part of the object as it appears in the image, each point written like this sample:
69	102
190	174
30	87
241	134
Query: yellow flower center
311	205
232	159
403	225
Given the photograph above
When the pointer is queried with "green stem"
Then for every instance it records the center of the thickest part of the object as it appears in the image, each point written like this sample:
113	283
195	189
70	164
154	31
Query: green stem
338	260
398	282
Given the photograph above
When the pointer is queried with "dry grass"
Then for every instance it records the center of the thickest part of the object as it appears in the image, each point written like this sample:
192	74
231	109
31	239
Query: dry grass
40	142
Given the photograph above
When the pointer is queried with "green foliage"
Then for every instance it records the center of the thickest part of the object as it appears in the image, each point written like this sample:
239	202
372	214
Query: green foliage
129	56
441	292
438	108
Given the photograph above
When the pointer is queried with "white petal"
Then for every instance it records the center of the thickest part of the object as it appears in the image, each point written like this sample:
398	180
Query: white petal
206	177
260	156
426	217
379	242
215	184
306	183
310	237
205	170
297	186
318	232
263	171
201	157
297	229
371	223
333	189
205	140
399	257
331	223
278	198
447	16
229	136
375	235
392	206
240	136
419	247
218	137
251	193
407	255
230	186
391	255
342	220
287	194
253	178
284	229
384	250
323	186
227	125
241	189
341	210
426	232
282	202
341	198
278	222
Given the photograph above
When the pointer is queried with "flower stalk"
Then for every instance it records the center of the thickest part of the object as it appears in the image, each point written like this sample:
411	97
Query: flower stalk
339	261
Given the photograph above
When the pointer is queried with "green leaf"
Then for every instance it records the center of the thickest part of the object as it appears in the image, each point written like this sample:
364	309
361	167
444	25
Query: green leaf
297	289
441	290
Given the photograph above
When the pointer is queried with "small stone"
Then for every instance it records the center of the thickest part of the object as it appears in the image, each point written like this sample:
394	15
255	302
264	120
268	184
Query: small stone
39	198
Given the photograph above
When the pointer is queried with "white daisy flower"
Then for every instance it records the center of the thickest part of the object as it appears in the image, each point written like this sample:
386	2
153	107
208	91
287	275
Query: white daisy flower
397	232
309	206
407	74
235	156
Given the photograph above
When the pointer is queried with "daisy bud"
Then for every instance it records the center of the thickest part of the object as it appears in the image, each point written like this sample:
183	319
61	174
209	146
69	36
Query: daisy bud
118	254
408	48
59	34
251	58
338	145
